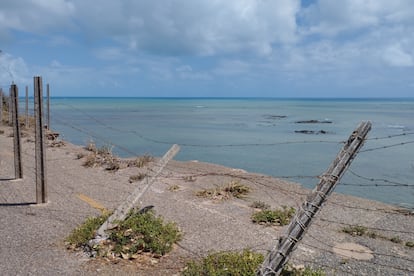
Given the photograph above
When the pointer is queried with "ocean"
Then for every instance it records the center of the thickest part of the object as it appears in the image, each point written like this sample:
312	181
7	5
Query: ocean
295	139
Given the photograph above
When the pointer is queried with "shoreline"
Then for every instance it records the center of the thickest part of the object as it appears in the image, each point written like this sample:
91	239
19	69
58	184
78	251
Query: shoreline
207	225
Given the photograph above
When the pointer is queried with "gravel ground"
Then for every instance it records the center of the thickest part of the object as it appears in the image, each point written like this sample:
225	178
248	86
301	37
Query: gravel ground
33	235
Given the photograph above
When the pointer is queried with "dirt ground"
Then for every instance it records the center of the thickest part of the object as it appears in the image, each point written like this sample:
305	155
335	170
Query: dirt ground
33	235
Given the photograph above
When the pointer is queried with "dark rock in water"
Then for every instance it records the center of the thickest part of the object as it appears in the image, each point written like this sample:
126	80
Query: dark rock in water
311	132
314	122
274	117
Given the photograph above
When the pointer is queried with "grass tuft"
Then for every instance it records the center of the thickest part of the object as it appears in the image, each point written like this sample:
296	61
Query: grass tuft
143	232
355	230
232	189
139	232
81	235
274	217
260	205
225	263
136	177
141	161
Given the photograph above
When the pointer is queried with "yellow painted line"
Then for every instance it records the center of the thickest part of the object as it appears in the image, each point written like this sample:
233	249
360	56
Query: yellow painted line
92	203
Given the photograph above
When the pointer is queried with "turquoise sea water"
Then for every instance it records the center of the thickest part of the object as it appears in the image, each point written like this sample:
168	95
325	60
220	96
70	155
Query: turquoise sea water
257	135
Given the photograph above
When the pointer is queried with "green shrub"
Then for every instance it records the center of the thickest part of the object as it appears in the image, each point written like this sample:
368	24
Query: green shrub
225	263
144	232
274	217
139	232
355	230
85	232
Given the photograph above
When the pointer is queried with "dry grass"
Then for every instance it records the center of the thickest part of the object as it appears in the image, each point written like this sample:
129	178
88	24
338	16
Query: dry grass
232	189
102	157
141	161
136	177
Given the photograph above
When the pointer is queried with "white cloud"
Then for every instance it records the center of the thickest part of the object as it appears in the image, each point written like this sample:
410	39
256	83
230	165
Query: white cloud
109	53
182	27
12	69
328	17
35	15
396	56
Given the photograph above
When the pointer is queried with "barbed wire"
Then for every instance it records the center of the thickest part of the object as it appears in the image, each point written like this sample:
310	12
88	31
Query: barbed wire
359	251
378	179
368	227
388	265
258	182
138	134
387	146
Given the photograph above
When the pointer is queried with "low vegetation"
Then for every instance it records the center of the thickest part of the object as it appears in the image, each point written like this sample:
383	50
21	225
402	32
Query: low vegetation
141	161
136	177
260	205
100	157
274	217
81	235
140	232
245	263
232	189
225	263
358	230
174	188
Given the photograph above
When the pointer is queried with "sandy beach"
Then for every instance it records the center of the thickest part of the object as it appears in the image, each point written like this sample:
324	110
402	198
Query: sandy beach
33	235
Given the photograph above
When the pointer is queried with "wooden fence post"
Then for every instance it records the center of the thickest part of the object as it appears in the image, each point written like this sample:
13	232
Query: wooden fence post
10	108
279	256
40	154
1	106
26	124
18	170
48	106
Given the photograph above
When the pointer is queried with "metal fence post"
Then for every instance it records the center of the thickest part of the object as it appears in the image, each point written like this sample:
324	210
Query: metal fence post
40	154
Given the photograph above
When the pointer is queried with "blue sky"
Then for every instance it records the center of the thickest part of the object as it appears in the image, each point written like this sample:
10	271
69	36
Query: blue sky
210	48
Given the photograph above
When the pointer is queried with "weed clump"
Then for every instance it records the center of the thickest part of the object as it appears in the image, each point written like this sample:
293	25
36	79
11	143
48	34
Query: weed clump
260	205
140	232
136	177
141	161
225	263
100	157
274	217
290	270
355	230
232	189
174	188
81	235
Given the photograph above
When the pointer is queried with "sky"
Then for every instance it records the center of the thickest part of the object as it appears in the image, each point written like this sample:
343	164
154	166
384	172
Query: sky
210	48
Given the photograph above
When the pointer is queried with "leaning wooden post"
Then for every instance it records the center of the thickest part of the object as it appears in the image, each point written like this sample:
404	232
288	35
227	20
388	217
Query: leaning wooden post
48	106
40	154
26	124
123	210
18	170
279	256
